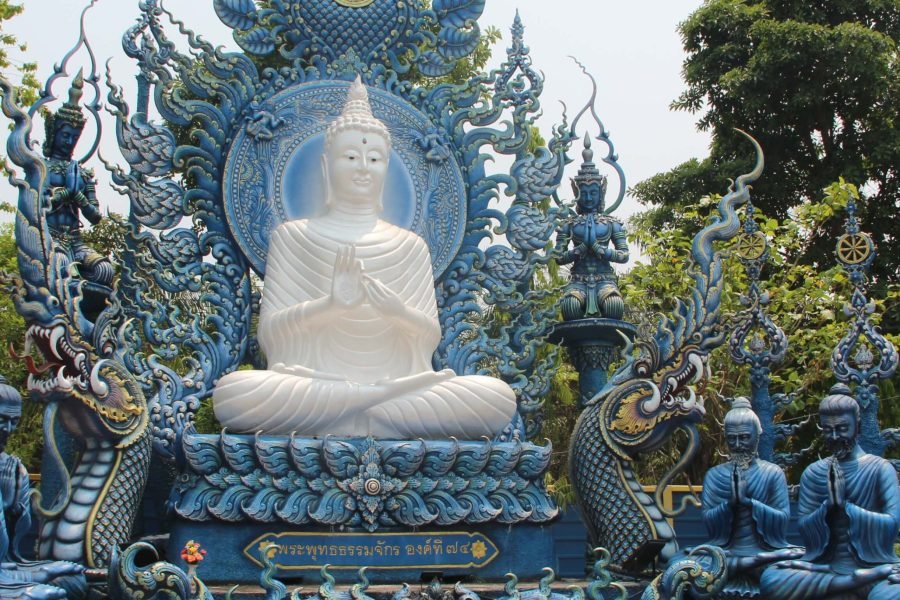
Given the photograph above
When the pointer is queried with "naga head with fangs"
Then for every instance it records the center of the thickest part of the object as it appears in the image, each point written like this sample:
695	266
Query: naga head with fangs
62	368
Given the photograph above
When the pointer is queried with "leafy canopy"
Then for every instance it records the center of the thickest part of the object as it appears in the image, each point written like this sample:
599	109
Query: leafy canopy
817	83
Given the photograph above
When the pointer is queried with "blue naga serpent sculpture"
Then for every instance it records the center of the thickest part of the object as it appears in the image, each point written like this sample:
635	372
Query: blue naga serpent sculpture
649	397
81	379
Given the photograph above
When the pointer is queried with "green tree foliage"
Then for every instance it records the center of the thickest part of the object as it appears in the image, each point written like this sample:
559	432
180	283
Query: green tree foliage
817	83
806	301
10	69
27	441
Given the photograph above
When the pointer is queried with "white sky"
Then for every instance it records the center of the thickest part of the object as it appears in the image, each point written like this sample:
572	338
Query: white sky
632	49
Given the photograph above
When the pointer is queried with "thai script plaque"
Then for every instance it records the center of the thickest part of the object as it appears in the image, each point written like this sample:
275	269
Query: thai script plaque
291	551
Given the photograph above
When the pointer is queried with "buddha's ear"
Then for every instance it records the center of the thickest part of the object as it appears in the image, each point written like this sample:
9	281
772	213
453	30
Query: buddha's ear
325	177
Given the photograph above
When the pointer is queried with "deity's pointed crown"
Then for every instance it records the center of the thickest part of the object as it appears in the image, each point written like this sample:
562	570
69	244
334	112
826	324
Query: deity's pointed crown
70	113
357	114
588	172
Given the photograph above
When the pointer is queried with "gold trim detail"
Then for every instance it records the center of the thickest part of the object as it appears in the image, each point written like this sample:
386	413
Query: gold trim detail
854	248
484	547
92	518
751	246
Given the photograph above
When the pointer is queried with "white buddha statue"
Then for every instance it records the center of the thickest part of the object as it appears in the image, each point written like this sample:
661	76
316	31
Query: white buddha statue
349	320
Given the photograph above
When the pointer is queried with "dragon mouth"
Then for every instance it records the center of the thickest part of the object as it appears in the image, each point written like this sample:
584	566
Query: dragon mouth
678	383
64	366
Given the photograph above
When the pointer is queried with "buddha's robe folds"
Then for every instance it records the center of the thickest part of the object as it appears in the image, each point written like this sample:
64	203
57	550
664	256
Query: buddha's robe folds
840	541
354	372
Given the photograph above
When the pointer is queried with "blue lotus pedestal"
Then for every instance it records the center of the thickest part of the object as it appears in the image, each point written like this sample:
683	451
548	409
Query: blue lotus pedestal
405	509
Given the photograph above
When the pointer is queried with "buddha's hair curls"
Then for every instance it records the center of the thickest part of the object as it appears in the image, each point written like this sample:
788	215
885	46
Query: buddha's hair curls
357	116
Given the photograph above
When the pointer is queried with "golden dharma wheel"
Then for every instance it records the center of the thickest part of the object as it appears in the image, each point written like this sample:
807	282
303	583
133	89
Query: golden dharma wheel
751	246
854	248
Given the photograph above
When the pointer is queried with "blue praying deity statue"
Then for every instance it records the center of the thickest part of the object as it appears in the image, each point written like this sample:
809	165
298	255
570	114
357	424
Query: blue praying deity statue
745	506
849	515
597	240
20	578
70	191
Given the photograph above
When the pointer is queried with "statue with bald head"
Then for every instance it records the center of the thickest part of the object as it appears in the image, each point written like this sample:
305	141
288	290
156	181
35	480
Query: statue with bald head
349	318
849	516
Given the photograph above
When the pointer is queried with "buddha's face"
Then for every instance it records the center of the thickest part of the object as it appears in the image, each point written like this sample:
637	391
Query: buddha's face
64	141
10	413
742	440
840	433
356	166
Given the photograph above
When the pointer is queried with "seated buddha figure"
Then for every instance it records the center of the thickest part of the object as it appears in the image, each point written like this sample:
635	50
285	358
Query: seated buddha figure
849	517
349	320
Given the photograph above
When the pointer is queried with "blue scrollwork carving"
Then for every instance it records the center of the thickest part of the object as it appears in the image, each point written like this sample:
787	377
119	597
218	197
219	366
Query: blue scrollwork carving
650	397
758	342
255	128
864	355
367	484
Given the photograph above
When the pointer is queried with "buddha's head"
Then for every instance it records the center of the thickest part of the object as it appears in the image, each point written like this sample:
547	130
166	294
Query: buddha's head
588	185
742	429
10	411
64	127
357	147
839	420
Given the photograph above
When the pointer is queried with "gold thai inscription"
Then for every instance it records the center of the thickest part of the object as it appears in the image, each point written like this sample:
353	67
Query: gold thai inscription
292	551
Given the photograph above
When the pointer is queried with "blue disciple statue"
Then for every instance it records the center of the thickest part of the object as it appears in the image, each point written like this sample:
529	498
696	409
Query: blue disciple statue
849	516
745	506
597	240
20	578
70	191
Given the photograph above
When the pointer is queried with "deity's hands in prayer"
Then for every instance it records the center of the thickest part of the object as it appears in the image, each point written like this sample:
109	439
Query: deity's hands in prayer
836	485
739	488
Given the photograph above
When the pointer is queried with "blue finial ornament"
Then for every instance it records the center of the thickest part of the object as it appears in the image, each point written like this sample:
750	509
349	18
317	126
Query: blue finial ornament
758	342
863	356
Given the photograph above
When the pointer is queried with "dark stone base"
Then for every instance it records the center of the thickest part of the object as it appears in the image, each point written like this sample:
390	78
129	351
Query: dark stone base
233	552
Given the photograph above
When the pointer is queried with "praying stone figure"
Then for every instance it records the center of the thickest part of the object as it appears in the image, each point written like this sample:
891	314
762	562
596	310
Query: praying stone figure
349	319
20	578
849	518
597	241
745	505
71	191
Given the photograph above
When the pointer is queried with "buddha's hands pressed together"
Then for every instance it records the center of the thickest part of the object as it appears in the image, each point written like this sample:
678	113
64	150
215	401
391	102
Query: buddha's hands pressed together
347	290
385	300
391	306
